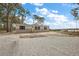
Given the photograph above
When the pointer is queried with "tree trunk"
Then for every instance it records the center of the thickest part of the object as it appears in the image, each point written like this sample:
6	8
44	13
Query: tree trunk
11	26
22	19
76	25
7	24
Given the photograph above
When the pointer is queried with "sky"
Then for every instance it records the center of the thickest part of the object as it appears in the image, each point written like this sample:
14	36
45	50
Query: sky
57	15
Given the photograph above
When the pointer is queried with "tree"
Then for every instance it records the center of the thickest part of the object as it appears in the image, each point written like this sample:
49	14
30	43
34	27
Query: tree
75	12
8	8
23	13
39	19
8	13
18	12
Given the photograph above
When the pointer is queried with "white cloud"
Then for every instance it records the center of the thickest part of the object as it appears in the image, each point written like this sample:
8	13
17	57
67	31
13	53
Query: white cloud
54	11
28	20
57	17
23	3
55	20
68	24
42	11
61	21
38	4
56	25
45	11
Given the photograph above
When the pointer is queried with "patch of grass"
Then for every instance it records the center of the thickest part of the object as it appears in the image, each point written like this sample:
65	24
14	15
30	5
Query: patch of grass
55	30
71	33
32	36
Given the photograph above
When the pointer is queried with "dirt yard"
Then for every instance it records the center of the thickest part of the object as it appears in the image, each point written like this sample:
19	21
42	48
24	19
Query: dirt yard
39	44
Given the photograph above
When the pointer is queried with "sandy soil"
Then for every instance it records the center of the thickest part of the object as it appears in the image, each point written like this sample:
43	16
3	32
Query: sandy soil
48	44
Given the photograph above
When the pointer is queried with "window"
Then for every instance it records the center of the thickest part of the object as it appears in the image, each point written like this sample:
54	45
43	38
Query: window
45	28
22	27
37	28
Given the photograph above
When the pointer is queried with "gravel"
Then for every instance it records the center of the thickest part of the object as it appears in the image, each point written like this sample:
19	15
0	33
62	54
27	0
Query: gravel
55	44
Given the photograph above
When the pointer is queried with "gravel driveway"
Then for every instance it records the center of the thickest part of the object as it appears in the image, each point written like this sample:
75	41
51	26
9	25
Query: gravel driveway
52	44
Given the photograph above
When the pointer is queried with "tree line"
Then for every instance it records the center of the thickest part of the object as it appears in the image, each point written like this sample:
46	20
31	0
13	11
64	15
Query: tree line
75	13
14	13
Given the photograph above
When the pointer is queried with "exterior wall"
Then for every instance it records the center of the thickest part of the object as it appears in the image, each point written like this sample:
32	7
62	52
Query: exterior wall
41	28
30	28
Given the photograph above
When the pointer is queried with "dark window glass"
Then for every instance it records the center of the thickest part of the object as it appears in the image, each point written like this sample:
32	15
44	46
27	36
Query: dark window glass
45	28
37	28
22	27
